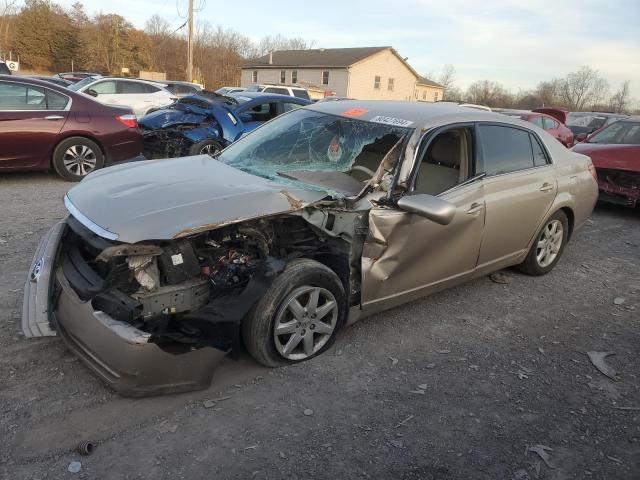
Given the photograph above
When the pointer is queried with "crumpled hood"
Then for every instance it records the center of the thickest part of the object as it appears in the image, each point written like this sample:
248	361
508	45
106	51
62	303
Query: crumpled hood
167	117
615	157
164	199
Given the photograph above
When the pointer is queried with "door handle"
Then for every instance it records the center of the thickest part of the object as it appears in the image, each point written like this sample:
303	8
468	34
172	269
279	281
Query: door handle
546	187
54	117
474	208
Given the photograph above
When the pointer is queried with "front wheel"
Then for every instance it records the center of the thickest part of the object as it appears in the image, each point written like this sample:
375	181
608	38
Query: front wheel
548	246
205	147
298	317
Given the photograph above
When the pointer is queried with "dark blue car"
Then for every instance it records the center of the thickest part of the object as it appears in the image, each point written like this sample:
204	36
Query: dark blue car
208	122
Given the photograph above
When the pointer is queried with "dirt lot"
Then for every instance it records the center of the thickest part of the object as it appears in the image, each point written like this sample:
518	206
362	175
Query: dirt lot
456	386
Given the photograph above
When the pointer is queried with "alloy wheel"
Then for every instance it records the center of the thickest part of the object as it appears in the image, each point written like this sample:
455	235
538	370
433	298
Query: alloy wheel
549	243
305	322
79	160
209	149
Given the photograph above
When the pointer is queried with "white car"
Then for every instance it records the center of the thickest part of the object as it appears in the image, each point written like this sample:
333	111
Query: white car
292	91
139	95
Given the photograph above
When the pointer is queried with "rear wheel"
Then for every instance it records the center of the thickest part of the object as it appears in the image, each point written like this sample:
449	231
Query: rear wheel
74	158
298	317
548	246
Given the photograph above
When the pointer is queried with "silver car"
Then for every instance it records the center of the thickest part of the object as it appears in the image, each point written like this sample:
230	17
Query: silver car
320	217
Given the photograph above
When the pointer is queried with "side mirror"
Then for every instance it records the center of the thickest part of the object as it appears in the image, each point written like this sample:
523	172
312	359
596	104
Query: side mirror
428	206
92	92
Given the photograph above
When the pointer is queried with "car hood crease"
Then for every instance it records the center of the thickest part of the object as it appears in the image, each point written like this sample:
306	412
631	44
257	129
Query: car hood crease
164	199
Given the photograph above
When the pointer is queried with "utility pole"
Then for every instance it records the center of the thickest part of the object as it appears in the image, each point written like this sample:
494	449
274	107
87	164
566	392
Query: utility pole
190	44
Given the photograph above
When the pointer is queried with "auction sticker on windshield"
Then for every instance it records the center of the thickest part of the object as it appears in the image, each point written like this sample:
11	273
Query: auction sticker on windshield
355	112
398	122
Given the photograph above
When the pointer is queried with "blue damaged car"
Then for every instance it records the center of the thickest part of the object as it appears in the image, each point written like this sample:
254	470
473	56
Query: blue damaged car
208	122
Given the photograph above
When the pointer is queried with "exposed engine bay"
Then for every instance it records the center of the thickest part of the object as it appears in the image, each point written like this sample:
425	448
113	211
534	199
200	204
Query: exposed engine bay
192	292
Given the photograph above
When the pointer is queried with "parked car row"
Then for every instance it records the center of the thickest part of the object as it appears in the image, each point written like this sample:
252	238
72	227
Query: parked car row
46	125
550	119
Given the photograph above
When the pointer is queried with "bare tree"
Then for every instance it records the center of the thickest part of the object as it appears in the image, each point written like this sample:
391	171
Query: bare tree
278	42
620	100
486	92
7	9
577	88
447	77
599	93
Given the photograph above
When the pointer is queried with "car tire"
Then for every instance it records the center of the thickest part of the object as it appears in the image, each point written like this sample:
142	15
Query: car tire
75	157
205	147
548	245
272	326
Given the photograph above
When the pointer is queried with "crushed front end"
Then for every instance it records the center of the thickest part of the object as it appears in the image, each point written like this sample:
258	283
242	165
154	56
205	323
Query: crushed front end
619	186
148	318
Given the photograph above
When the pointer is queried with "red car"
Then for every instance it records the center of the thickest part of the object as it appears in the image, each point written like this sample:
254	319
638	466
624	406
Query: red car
550	119
43	125
615	152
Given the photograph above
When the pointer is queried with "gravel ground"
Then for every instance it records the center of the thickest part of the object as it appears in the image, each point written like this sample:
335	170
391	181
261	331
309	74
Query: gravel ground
456	386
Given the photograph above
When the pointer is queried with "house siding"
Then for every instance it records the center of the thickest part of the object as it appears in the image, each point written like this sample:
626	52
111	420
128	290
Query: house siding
338	77
424	93
386	65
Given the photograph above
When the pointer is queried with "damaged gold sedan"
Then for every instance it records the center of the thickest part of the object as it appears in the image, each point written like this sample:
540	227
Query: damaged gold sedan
322	216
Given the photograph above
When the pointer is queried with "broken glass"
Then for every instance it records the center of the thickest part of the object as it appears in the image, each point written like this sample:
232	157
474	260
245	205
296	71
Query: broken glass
309	141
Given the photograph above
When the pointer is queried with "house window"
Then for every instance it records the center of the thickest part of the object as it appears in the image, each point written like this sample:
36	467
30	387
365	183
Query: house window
325	77
254	76
424	95
435	97
376	82
390	84
294	76
283	76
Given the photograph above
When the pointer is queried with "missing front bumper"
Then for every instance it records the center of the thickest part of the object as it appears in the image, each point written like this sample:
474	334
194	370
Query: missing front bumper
120	354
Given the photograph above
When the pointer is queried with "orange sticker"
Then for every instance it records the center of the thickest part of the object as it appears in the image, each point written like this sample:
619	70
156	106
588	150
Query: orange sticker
355	112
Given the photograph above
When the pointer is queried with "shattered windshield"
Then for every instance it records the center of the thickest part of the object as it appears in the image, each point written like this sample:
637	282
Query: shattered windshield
309	141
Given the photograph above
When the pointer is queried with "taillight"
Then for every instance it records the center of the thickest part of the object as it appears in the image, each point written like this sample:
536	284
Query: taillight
128	120
592	171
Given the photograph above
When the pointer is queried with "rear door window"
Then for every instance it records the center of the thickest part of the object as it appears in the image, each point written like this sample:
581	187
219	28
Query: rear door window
505	149
56	101
632	137
300	93
131	88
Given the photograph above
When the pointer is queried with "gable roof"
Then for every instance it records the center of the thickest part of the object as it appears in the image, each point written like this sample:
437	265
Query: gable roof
317	57
428	83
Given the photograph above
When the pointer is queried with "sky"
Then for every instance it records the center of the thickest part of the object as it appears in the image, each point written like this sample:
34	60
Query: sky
515	42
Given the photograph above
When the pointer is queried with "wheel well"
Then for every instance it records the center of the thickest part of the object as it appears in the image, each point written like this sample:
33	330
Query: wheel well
570	218
88	137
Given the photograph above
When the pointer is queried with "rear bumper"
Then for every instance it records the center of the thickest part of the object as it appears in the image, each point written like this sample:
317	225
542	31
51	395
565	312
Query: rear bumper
120	354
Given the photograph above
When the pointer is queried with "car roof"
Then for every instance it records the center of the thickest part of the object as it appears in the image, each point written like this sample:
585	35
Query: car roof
265	96
35	81
410	114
